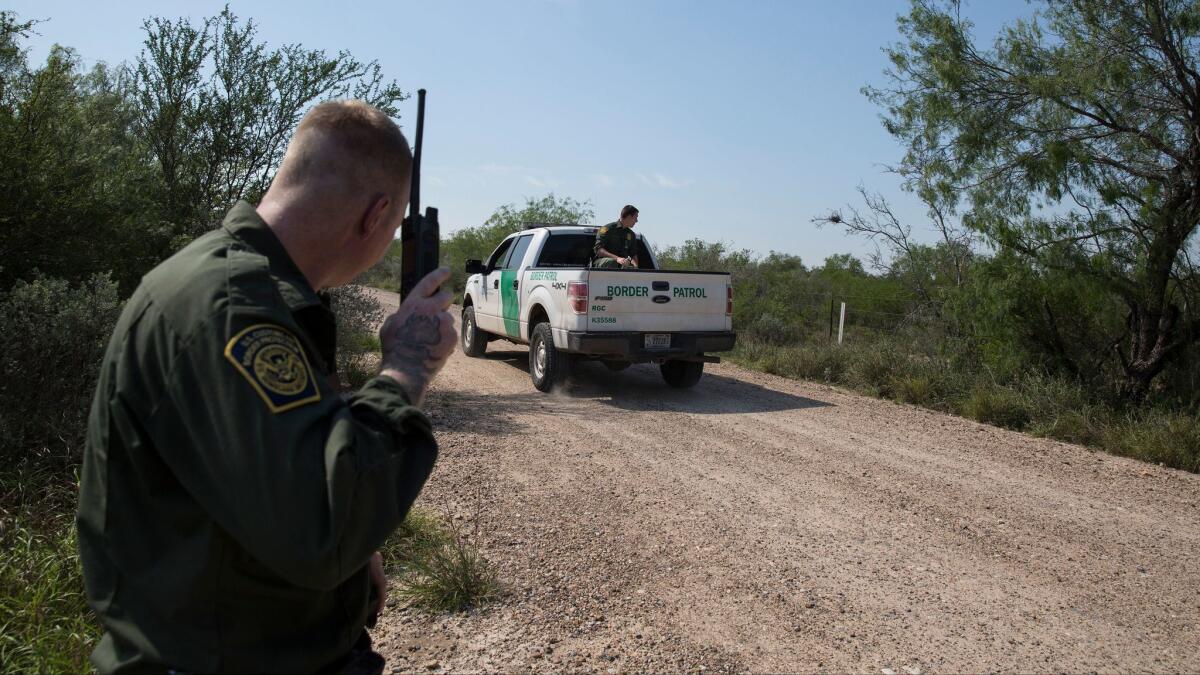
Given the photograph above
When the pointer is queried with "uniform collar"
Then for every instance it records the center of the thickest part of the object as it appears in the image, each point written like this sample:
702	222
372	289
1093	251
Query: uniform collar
244	223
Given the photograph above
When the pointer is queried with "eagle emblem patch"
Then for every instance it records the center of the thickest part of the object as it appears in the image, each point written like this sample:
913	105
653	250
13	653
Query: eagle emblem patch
274	362
604	229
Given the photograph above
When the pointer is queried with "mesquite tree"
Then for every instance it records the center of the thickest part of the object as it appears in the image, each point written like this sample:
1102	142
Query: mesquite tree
217	107
1074	141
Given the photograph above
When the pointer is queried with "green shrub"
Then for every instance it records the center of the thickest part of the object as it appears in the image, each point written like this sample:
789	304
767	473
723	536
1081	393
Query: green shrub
772	330
1064	410
1003	407
915	388
815	361
930	383
1055	395
873	369
1083	427
358	317
52	338
819	362
748	351
436	566
1167	437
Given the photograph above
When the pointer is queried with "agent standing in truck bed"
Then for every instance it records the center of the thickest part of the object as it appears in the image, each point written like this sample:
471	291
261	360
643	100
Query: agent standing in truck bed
616	244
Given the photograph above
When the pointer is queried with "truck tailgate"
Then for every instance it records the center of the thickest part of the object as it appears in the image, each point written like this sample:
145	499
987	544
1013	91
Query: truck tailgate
653	301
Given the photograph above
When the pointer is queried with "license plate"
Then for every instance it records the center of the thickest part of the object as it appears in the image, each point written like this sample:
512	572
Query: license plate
658	341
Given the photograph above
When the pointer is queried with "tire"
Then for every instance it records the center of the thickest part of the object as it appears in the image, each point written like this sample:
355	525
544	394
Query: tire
548	367
473	341
617	366
682	374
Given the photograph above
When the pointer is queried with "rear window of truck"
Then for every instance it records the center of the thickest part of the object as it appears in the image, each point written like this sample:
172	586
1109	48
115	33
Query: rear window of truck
567	250
575	250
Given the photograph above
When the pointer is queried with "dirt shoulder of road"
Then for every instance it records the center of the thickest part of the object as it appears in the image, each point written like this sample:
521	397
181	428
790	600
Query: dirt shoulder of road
763	524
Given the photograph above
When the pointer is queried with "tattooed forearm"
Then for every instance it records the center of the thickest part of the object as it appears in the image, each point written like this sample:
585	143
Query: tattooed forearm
408	350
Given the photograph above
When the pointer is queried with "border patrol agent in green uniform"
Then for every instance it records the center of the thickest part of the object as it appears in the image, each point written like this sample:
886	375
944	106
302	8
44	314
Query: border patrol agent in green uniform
616	244
230	497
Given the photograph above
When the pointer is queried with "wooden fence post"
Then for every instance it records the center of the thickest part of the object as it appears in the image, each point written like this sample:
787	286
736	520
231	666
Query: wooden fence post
831	316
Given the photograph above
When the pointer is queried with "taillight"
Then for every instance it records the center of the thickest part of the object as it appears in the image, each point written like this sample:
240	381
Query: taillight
577	293
729	301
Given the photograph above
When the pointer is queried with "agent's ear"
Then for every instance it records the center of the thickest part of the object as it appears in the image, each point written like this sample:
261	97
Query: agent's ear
376	215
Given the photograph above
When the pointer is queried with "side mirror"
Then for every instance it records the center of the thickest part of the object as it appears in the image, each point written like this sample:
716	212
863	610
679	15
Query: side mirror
475	267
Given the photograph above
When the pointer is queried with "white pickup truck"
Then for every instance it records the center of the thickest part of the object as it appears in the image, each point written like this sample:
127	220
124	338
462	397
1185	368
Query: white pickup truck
537	288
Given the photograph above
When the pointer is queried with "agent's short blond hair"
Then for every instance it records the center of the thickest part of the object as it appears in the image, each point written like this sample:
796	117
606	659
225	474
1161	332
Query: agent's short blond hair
350	143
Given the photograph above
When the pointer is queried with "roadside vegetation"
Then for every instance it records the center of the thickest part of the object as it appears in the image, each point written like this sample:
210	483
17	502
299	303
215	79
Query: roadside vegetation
48	327
45	625
1042	405
1060	168
985	349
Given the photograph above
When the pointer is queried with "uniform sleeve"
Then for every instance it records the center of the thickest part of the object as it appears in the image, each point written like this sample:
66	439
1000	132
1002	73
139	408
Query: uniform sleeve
600	241
307	482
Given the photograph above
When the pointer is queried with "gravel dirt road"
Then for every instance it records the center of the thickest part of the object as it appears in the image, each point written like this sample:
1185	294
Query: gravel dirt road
762	524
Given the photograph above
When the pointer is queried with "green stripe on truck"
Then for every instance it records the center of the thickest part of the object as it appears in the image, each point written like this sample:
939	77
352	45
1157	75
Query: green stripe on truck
510	304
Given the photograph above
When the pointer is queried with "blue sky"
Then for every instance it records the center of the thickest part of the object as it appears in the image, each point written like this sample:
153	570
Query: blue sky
734	122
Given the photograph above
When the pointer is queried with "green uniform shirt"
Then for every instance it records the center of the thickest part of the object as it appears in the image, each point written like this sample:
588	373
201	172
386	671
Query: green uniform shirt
615	239
230	498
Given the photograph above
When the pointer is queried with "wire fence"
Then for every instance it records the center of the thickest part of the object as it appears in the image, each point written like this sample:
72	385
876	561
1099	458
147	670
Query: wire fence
845	317
842	318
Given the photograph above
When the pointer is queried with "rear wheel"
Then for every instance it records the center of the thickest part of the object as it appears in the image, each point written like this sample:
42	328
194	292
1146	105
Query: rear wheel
474	341
547	366
682	374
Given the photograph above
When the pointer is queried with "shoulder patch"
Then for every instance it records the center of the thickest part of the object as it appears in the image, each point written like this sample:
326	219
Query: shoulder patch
603	230
275	364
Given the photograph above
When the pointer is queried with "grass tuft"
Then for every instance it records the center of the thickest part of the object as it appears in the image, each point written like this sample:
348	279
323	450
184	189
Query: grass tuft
874	371
916	389
437	567
1000	406
357	370
1082	427
45	624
